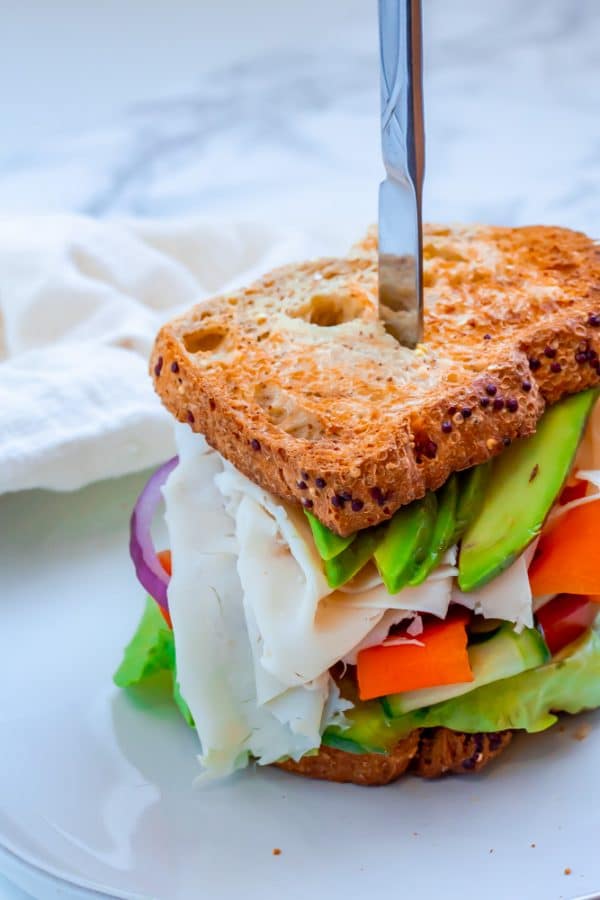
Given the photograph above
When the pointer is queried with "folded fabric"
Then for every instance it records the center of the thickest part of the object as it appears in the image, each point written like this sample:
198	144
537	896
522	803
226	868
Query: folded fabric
80	303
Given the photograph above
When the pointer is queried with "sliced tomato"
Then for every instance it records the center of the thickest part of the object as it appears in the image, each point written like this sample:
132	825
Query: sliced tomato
573	491
440	657
565	618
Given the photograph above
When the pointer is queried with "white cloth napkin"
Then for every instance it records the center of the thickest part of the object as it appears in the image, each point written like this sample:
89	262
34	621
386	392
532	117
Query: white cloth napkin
80	303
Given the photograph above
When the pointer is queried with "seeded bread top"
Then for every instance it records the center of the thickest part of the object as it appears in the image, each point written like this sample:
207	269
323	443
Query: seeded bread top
297	383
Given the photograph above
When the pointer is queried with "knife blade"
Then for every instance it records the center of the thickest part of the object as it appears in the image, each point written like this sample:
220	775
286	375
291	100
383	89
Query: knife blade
403	149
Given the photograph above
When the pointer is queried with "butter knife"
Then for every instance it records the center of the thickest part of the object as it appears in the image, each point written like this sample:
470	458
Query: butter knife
403	149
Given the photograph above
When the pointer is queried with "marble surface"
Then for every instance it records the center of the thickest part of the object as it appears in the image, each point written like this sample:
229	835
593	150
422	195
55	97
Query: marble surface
271	110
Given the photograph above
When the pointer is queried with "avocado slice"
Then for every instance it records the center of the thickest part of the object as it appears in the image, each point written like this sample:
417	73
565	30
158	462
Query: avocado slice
443	529
369	730
524	483
327	542
471	491
406	542
345	565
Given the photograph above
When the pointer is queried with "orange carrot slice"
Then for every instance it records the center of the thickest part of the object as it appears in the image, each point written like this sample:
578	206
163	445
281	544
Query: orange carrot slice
164	558
567	556
440	659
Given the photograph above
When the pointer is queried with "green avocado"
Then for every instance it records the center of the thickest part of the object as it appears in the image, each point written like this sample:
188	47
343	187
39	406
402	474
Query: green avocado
523	485
369	730
443	530
345	565
406	542
471	490
327	542
569	683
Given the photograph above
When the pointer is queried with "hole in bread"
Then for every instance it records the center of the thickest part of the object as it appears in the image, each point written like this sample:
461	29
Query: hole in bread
283	410
203	341
442	251
305	428
327	310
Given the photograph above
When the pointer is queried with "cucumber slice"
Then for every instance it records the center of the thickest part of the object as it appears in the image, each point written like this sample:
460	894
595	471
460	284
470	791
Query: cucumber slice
406	542
327	542
523	485
506	653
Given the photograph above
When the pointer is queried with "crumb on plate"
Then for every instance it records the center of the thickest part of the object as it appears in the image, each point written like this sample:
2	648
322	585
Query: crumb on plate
582	731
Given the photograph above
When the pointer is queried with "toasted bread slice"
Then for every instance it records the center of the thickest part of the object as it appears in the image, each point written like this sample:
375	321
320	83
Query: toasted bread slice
429	753
297	383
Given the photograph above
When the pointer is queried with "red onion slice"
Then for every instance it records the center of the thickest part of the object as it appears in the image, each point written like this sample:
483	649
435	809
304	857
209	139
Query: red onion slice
148	569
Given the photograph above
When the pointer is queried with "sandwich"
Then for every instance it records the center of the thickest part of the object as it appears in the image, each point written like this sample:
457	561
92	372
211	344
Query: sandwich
380	560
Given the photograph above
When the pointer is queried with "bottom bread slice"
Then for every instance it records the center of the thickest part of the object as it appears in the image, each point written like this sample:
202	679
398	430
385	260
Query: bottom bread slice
429	753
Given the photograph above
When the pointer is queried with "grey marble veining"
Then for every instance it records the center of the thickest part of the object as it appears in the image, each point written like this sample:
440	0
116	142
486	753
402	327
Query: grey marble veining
291	134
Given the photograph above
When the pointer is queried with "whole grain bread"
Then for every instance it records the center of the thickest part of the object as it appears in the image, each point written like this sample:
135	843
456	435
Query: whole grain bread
429	753
330	764
297	383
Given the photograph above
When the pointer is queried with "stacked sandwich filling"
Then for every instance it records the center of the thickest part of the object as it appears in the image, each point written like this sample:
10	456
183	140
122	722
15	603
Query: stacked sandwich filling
277	651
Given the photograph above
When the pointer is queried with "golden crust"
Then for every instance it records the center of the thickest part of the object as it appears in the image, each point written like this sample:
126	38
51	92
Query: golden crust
442	751
429	753
330	764
296	382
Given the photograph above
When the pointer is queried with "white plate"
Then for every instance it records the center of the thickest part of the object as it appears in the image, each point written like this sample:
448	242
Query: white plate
95	785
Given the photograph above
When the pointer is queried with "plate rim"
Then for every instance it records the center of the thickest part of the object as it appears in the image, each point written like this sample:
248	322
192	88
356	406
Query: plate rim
16	866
